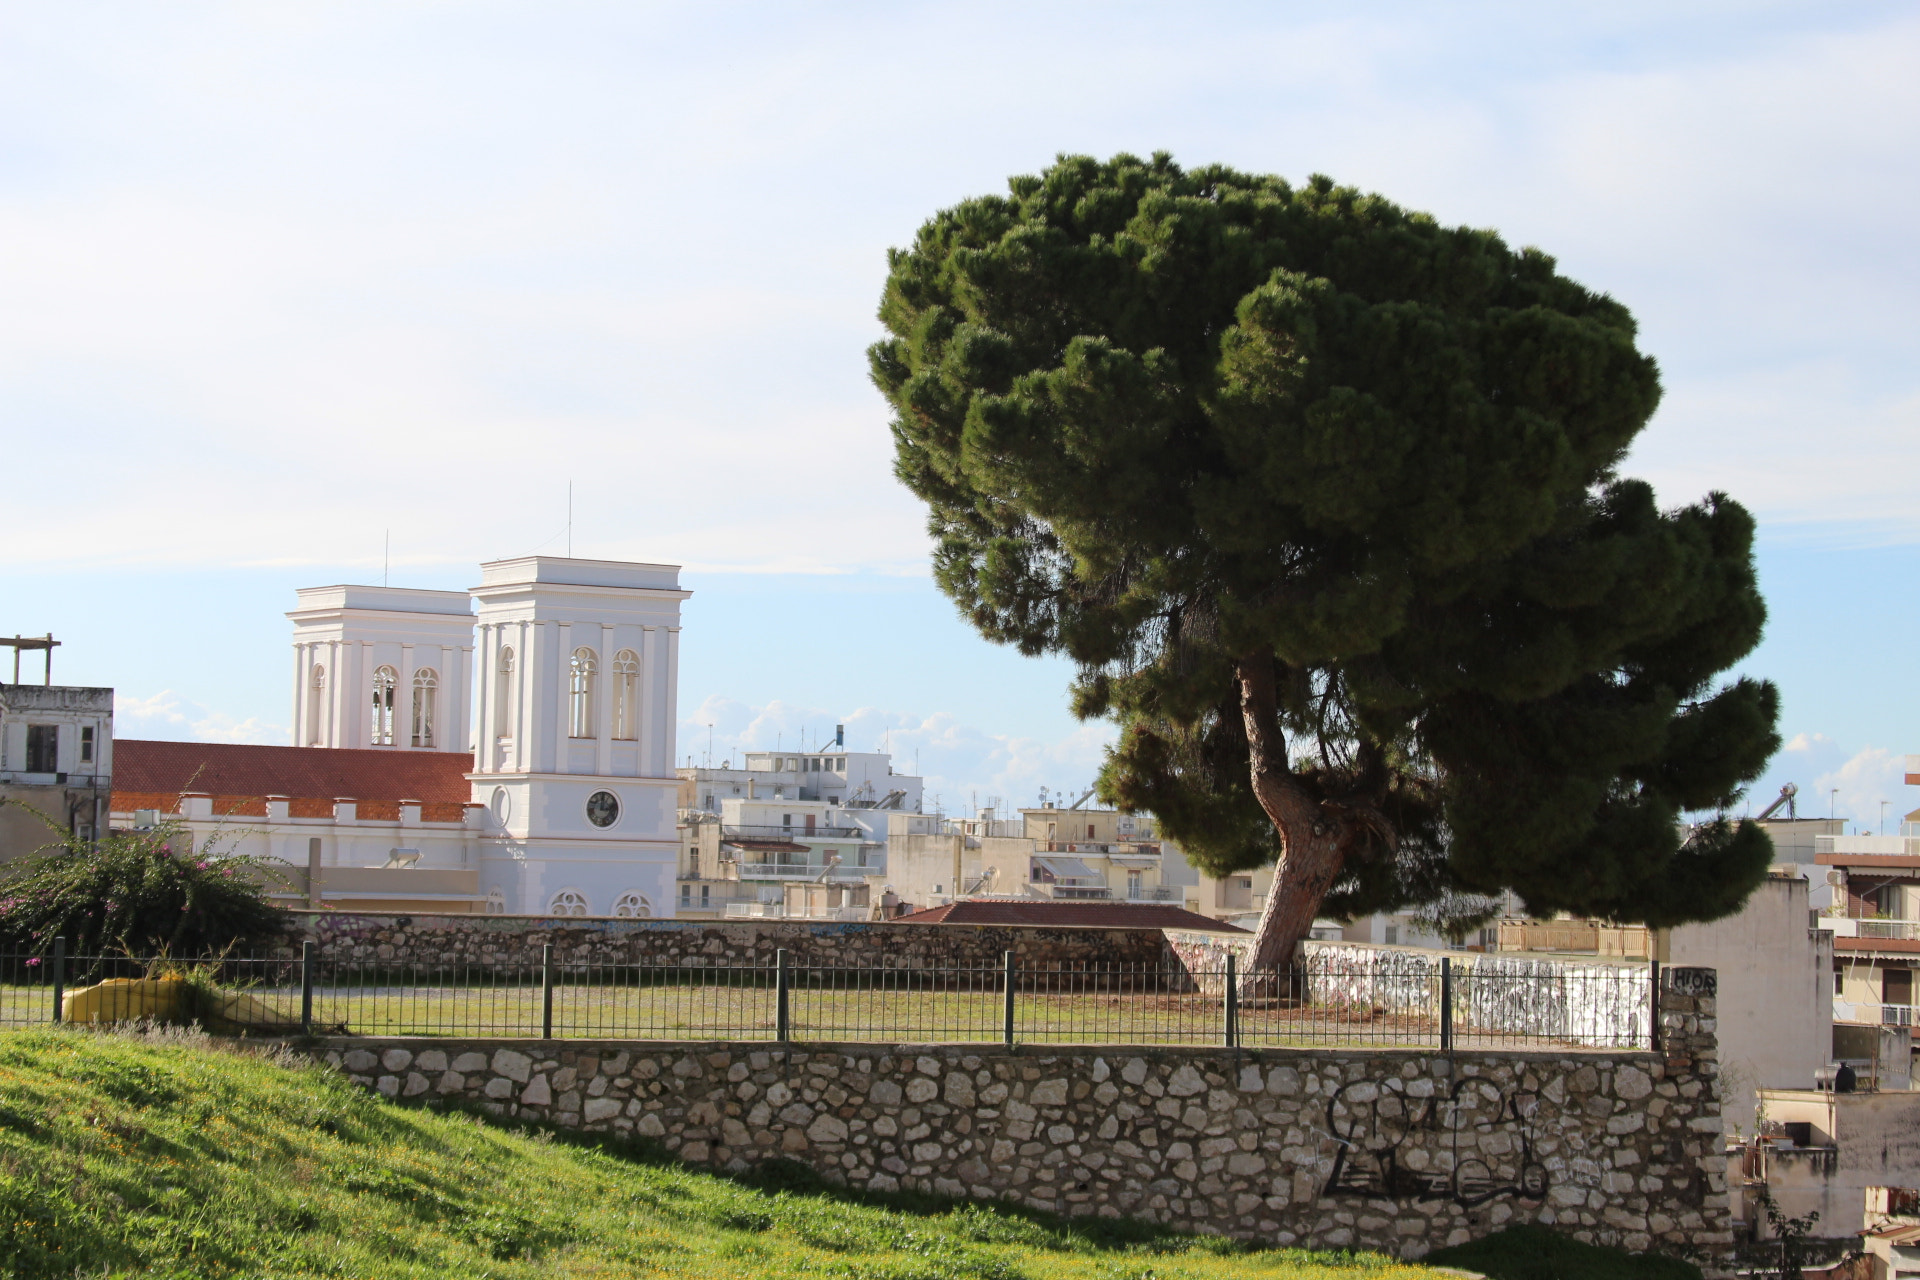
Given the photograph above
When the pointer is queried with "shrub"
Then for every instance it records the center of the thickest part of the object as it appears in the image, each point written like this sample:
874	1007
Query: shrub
139	893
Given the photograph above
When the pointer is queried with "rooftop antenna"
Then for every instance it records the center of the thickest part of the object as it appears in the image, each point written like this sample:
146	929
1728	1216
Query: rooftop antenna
709	744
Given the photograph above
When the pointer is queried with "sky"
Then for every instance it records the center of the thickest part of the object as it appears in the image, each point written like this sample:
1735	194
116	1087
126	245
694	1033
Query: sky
288	286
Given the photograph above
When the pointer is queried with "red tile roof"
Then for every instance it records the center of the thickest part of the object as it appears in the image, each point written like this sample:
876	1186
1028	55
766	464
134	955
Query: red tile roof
228	769
1053	912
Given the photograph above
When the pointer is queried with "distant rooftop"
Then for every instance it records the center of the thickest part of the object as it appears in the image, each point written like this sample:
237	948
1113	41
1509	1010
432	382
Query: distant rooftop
1053	912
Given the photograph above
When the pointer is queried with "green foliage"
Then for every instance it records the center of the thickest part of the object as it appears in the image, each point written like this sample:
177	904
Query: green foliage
164	1155
140	893
1186	425
1538	1253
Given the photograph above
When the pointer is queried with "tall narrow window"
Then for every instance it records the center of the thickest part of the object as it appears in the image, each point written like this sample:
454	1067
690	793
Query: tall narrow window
425	683
43	748
384	680
626	694
503	695
580	694
316	705
86	744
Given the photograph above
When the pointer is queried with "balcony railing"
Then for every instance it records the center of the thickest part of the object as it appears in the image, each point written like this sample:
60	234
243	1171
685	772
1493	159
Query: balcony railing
1894	930
796	832
805	870
1887	1015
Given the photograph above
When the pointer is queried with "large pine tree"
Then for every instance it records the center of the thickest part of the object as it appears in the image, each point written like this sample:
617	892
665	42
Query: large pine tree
1321	498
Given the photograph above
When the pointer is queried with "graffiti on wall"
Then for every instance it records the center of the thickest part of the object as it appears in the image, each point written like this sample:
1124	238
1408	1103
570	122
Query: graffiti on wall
1471	1144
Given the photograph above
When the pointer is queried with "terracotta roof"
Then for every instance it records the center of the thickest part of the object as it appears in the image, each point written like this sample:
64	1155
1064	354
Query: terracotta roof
231	770
1051	911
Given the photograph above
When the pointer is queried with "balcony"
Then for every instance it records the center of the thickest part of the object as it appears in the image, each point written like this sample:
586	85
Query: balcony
790	833
1886	1015
1895	930
805	870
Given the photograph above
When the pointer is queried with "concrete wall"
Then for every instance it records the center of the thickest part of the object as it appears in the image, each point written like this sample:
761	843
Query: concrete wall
1860	1140
1394	1151
1776	992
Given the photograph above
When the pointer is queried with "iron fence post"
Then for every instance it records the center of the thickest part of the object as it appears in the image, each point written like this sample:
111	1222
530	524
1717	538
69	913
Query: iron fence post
306	988
546	991
1653	1031
781	980
1232	1000
1006	1011
1446	1004
59	975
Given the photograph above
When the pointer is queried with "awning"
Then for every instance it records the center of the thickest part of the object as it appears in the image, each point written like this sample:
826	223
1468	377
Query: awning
764	846
1069	869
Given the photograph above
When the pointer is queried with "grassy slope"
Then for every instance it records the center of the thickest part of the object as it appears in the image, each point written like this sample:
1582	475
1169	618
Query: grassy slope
167	1156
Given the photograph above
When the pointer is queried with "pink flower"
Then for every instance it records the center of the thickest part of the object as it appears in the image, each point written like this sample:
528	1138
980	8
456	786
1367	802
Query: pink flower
32	961
166	850
200	866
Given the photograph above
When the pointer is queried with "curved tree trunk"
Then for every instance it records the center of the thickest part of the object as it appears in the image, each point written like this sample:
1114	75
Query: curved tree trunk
1313	842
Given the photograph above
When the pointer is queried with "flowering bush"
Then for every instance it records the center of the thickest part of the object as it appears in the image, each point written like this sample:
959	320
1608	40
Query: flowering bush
131	894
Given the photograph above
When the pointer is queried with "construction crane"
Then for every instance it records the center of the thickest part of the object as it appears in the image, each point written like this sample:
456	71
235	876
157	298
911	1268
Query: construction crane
1787	793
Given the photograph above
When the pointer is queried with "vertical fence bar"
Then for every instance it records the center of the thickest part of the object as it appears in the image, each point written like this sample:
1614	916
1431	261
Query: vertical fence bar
1006	1007
59	975
306	988
546	991
1653	1002
781	981
1446	1004
1231	1002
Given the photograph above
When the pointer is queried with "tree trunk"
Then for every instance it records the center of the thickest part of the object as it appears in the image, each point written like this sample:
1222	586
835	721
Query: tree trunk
1313	843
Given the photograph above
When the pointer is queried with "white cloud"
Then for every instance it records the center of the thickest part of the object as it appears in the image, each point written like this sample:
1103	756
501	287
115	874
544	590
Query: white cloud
963	764
166	715
1872	776
1806	741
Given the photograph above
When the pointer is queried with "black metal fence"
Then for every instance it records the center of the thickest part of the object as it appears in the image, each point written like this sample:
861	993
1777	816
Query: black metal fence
1389	999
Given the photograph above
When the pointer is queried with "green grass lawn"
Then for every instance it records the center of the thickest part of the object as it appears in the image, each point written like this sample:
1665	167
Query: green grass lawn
710	1010
167	1155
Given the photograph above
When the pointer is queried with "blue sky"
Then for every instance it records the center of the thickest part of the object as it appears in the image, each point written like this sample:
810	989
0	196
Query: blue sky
284	279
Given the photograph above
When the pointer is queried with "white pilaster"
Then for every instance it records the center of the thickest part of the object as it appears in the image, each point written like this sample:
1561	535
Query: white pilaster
669	698
649	702
603	705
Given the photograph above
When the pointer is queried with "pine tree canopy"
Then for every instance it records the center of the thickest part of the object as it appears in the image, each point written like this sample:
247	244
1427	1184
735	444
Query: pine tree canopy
1321	499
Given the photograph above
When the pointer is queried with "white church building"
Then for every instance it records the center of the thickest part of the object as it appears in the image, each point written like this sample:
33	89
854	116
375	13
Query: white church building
506	749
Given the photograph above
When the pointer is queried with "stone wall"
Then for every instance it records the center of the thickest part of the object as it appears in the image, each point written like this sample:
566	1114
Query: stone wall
380	939
1399	1151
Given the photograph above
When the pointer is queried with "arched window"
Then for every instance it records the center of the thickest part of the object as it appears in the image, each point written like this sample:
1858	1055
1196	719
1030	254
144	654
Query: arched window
384	680
632	905
426	681
580	694
568	902
626	694
316	705
496	901
503	695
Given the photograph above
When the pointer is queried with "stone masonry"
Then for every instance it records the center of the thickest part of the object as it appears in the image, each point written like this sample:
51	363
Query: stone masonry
381	938
1397	1151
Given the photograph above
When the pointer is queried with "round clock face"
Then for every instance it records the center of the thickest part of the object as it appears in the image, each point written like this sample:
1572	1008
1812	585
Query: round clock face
603	808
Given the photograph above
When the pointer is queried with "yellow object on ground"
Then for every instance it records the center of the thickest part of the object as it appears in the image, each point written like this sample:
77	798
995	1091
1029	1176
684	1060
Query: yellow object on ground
172	999
168	999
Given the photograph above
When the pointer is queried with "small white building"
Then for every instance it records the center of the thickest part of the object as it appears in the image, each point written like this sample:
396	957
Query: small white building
56	761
